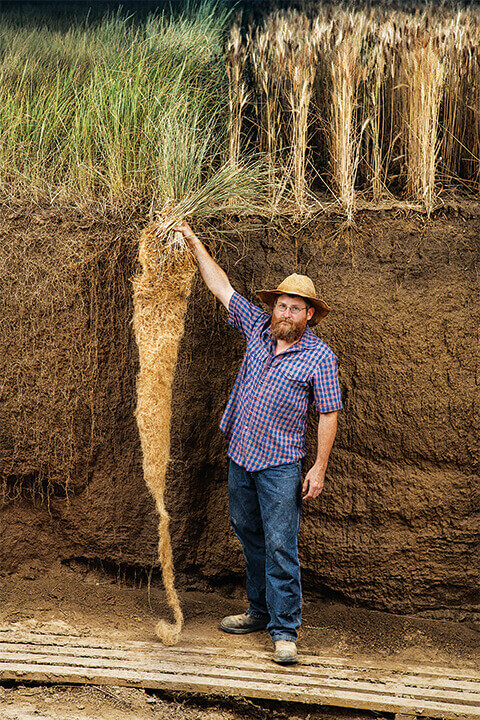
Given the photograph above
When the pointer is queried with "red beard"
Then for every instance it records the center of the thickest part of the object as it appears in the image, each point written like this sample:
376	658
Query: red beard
286	330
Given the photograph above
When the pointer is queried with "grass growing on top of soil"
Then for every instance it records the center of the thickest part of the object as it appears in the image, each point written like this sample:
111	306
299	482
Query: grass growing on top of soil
372	100
96	112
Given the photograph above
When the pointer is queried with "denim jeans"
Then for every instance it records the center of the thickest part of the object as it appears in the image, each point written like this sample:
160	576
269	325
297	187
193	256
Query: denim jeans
265	514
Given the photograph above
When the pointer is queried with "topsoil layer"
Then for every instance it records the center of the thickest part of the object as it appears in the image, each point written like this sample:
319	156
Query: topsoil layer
396	527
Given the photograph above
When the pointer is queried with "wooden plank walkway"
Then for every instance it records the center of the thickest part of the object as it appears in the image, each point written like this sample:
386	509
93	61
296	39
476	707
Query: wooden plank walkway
437	692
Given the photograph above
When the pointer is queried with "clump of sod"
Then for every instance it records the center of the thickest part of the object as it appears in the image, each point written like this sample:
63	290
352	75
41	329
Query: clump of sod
160	297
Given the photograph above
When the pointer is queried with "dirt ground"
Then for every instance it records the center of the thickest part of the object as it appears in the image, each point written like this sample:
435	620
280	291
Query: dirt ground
83	600
110	703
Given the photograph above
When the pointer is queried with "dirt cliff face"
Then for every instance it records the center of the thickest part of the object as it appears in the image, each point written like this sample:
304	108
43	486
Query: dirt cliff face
397	524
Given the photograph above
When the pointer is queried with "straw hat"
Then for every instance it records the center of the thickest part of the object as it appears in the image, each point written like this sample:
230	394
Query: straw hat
302	286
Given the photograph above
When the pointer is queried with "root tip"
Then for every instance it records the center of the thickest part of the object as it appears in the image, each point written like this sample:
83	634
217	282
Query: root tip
169	634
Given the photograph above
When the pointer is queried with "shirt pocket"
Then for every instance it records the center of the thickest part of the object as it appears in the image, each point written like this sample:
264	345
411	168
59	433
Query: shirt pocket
293	389
294	373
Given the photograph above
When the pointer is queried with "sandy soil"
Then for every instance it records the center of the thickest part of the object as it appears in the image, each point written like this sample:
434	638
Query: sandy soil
85	600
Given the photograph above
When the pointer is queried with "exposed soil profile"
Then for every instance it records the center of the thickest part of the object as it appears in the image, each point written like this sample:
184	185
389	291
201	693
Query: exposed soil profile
396	528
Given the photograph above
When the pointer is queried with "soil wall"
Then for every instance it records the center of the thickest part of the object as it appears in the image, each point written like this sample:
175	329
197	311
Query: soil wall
397	525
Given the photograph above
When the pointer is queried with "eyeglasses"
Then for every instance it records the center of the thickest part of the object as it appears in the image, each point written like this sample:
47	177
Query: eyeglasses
294	309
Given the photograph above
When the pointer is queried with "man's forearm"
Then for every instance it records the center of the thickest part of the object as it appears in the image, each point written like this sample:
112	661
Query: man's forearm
315	478
327	429
215	278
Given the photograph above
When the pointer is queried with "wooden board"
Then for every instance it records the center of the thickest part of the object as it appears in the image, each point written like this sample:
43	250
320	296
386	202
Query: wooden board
438	692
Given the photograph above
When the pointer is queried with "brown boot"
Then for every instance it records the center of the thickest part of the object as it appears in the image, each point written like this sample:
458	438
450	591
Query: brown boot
285	652
241	624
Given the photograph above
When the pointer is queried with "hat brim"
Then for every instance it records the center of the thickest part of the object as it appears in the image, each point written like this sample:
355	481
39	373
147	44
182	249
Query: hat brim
321	308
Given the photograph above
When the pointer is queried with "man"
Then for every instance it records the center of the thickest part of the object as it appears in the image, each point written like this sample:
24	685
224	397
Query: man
285	368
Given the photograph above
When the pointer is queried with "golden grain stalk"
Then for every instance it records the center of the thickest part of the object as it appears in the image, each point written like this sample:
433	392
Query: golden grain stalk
299	77
424	69
267	60
237	92
345	136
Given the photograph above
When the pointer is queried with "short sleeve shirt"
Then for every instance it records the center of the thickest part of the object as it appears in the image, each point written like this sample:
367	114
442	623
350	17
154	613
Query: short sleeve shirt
265	420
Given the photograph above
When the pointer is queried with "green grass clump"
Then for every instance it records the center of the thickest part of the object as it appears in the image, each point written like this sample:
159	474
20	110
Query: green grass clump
95	112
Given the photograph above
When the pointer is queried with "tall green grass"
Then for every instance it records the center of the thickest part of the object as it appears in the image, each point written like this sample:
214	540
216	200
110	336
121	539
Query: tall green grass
96	112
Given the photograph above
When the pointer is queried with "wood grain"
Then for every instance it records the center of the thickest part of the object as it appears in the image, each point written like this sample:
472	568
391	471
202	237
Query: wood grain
437	692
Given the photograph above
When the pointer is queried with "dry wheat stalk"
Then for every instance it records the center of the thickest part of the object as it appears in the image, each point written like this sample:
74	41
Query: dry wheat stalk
299	69
374	110
266	59
454	39
424	71
472	103
345	136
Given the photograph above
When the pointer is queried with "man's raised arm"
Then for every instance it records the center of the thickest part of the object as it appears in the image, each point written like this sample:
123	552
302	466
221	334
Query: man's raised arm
215	278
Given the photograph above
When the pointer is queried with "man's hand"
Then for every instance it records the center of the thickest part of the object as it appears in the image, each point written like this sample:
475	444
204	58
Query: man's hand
187	233
313	483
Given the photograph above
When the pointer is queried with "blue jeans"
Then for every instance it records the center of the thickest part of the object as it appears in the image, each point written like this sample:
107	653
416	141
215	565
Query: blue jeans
265	514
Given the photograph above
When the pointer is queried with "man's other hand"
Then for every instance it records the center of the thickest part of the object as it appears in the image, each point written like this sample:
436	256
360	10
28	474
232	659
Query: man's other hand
313	483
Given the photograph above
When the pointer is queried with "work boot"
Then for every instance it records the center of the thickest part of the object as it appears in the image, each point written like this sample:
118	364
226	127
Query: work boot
241	624
285	652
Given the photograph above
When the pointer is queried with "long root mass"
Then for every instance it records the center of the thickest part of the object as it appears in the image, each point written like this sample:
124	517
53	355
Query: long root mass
160	296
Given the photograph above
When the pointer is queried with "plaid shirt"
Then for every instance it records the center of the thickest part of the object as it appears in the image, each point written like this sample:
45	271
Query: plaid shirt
265	421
